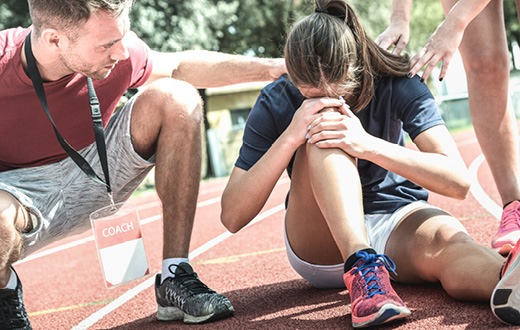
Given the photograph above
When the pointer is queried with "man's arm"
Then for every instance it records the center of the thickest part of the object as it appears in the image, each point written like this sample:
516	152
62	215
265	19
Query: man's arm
205	69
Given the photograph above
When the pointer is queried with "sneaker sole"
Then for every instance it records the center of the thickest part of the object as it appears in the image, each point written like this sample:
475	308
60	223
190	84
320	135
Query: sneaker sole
387	313
175	314
505	300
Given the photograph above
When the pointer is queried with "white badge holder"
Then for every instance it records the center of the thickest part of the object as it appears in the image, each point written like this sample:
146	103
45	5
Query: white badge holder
119	243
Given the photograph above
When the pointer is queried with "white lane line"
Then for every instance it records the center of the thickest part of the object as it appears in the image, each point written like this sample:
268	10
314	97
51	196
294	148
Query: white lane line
130	294
143	222
91	238
480	195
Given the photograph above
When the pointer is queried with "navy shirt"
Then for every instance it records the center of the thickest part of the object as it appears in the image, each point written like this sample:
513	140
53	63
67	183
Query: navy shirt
399	105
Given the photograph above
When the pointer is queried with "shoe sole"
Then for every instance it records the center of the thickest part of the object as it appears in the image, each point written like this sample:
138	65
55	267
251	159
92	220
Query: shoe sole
386	314
176	314
505	300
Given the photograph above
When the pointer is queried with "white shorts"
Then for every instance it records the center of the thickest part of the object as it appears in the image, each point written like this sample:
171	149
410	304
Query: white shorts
378	227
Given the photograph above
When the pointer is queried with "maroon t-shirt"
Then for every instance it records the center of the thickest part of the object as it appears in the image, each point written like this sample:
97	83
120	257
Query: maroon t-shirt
27	138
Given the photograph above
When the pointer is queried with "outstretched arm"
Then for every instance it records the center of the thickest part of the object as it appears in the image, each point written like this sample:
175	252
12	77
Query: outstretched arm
205	69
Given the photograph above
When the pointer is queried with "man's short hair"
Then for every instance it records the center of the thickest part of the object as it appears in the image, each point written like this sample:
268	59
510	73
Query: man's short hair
68	15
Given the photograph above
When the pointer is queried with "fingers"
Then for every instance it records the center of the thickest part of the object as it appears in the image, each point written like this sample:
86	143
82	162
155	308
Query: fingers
444	69
428	60
326	136
384	42
399	46
325	124
420	60
325	120
326	102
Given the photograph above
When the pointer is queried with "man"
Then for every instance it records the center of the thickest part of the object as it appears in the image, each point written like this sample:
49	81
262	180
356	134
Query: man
477	29
45	196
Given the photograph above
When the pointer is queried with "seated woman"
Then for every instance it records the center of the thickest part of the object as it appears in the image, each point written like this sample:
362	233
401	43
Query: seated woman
357	212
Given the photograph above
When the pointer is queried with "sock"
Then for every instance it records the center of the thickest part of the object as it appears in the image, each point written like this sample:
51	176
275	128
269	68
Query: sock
170	265
12	283
507	204
351	261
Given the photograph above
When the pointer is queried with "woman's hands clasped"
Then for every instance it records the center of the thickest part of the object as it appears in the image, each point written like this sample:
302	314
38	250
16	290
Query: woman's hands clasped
336	127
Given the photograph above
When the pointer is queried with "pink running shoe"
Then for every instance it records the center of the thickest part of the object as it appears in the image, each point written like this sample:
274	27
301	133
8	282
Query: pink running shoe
373	300
505	300
509	230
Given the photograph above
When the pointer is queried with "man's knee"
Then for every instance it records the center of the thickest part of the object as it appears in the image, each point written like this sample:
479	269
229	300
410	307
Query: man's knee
175	99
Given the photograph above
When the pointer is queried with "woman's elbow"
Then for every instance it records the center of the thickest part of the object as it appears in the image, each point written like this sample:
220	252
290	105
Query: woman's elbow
462	188
229	221
461	194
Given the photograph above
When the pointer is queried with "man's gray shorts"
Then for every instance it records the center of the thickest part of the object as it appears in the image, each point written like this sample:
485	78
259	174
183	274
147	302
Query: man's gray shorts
60	197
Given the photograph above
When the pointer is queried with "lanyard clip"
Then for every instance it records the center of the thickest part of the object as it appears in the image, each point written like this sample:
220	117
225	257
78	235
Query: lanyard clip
112	204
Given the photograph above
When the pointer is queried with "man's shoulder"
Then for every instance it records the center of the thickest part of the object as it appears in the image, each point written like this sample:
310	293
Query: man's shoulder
11	40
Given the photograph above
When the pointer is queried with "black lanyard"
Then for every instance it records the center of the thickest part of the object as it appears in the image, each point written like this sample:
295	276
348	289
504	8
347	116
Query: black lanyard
96	119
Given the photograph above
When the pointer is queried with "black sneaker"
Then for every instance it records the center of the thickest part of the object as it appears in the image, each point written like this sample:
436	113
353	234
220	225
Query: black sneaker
12	310
185	297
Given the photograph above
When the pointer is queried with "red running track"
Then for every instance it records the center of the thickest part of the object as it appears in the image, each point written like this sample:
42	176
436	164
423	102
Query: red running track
64	288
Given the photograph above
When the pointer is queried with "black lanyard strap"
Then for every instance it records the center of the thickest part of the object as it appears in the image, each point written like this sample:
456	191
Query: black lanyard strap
96	120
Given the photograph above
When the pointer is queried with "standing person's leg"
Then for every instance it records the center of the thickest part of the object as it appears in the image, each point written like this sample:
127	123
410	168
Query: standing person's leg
430	245
485	56
167	122
325	230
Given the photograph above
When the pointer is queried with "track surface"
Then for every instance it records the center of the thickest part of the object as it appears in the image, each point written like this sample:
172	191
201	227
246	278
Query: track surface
64	288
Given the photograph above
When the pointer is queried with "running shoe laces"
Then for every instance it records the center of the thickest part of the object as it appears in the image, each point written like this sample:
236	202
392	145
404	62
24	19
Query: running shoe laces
511	217
509	229
367	267
373	300
186	277
185	297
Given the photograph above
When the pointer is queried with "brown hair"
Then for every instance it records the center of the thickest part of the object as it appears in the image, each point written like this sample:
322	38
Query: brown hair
330	46
68	15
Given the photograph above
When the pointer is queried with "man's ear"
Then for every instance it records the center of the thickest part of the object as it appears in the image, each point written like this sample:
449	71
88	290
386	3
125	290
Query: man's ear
54	40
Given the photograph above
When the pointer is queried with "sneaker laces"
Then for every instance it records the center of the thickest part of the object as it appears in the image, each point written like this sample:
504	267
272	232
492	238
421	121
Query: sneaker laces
511	217
190	281
367	267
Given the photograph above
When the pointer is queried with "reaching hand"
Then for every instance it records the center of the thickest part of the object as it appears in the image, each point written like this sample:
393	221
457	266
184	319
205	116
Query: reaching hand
396	34
440	48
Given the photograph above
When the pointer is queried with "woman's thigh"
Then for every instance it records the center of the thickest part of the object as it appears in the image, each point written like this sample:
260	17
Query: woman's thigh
417	243
307	231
